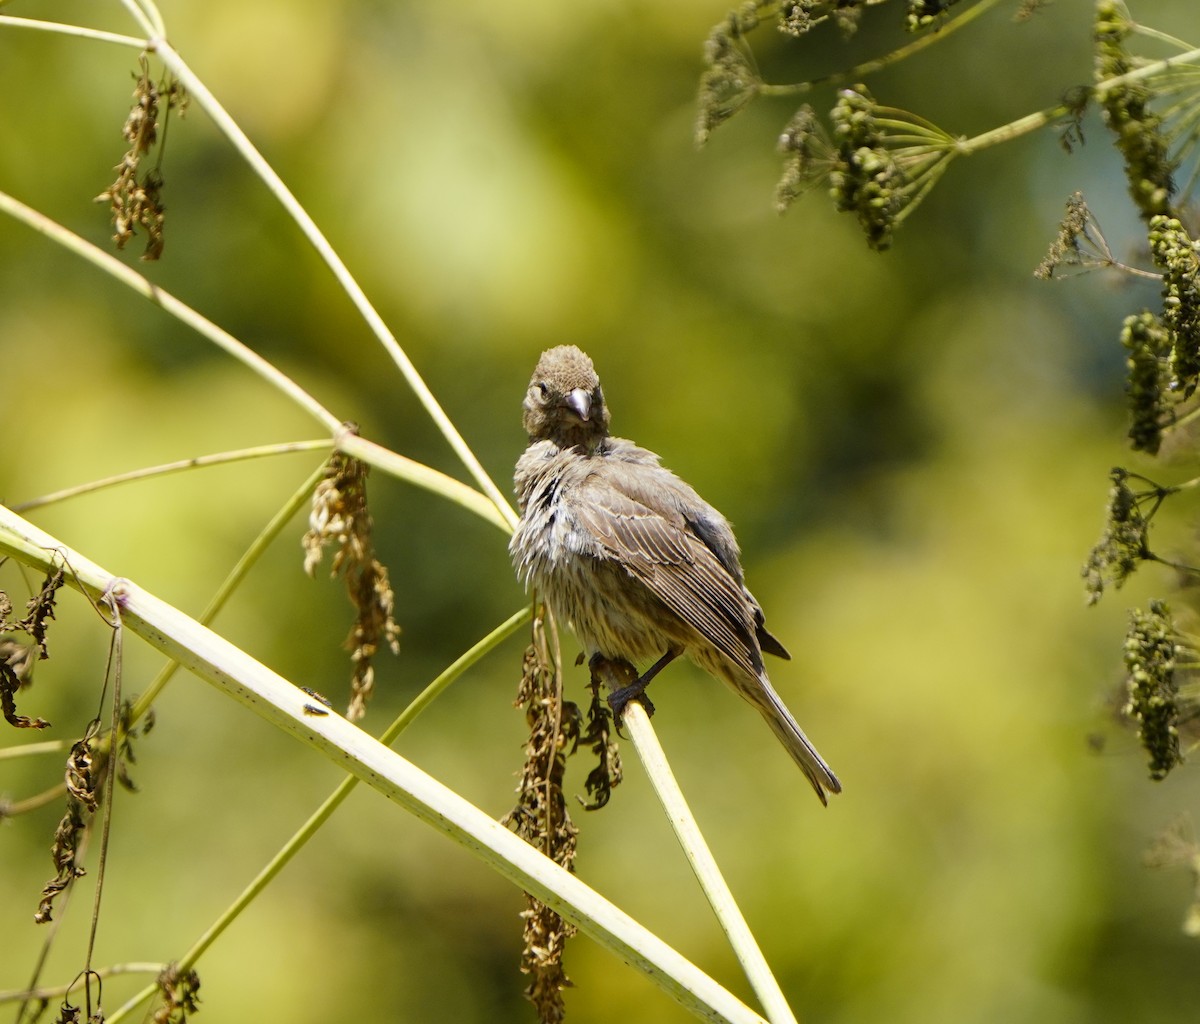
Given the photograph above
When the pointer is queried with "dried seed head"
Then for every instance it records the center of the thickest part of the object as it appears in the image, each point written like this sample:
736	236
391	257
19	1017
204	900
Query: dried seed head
134	198
540	817
180	995
340	516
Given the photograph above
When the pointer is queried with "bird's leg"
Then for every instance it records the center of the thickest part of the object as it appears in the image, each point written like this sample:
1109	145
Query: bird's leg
636	690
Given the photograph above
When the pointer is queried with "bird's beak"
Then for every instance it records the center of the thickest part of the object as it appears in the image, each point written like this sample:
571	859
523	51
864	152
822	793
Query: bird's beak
580	403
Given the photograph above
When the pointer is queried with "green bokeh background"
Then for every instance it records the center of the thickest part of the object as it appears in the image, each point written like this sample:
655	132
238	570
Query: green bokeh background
913	447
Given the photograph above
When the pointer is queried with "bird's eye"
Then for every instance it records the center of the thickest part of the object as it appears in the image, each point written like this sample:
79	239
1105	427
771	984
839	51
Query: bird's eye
544	388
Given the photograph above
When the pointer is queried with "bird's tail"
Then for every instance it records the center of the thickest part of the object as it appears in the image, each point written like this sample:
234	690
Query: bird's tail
785	727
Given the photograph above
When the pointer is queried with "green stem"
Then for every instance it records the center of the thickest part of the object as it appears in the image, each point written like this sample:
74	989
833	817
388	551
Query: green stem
79	31
29	749
424	477
219	458
405	469
55	991
32	803
249	557
860	71
331	804
147	17
200	93
181	311
704	865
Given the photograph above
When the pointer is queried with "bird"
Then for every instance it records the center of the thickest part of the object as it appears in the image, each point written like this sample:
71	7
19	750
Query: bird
641	568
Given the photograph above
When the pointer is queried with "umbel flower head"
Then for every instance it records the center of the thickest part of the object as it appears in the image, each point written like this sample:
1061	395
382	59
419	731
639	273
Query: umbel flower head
729	80
1126	108
1151	652
1125	541
1150	391
879	164
1178	257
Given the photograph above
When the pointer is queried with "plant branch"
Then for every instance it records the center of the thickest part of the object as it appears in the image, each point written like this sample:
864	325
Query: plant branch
180	310
79	31
219	458
708	874
860	71
200	93
273	698
249	557
325	811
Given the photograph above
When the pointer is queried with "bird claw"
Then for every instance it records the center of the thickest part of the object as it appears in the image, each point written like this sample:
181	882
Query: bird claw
611	672
635	691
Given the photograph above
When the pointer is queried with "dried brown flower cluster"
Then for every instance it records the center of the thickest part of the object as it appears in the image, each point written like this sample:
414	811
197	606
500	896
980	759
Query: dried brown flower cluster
340	516
17	657
541	818
135	196
84	775
180	995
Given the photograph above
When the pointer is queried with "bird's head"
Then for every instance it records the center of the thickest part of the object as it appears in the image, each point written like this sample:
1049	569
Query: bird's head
564	403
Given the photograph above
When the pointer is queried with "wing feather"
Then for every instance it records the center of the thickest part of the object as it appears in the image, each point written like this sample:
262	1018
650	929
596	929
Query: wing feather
663	551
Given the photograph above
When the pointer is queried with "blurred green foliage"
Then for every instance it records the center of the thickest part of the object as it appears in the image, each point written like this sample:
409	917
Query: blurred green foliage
914	448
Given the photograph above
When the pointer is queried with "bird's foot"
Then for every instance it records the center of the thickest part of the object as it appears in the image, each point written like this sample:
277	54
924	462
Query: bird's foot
636	690
623	683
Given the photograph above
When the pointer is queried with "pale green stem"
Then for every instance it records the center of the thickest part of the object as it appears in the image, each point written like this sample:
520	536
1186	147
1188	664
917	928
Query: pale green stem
181	311
860	71
249	557
32	803
79	31
1162	37
331	804
147	16
390	462
277	701
424	477
702	862
219	458
1032	122
55	991
200	93
29	749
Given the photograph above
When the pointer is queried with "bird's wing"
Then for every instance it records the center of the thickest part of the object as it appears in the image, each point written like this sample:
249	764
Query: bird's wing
660	549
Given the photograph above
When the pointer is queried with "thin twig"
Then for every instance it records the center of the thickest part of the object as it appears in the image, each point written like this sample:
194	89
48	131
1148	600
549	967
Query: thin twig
717	892
219	458
199	92
235	673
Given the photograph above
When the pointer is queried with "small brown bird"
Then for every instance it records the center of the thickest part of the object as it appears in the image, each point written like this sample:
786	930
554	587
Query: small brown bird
634	560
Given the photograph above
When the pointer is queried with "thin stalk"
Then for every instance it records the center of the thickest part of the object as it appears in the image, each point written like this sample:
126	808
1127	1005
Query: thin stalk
424	477
325	811
55	991
147	16
180	310
79	31
398	465
249	558
704	865
219	458
232	671
29	749
10	809
860	71
201	95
